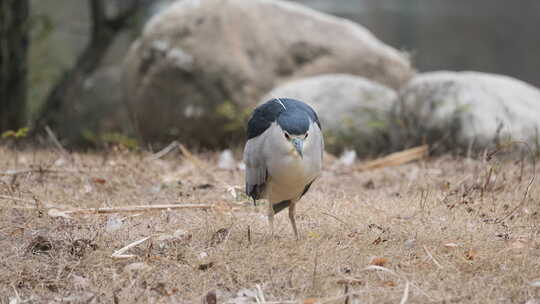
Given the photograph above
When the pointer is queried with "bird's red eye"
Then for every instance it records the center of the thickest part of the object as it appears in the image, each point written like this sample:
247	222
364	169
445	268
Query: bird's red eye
306	135
287	136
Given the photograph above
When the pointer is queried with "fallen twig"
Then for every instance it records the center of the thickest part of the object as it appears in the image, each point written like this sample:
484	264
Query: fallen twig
55	210
432	258
396	159
339	220
405	296
22	171
127	209
58	145
119	254
175	144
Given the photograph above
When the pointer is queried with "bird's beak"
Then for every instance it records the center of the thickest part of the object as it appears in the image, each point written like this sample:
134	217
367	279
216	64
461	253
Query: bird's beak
298	145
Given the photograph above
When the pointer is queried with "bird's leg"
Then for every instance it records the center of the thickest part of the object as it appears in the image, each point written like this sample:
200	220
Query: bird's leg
271	218
293	220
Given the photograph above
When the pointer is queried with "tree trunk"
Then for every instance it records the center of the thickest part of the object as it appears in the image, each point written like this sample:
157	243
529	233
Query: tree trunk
13	63
104	31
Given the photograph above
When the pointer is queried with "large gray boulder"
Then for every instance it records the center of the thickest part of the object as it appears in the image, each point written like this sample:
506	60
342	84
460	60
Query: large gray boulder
467	109
354	111
95	114
201	64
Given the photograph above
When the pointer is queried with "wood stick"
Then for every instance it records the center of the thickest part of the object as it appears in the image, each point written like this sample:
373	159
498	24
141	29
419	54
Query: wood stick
175	144
396	159
23	171
119	254
55	210
58	145
128	209
432	258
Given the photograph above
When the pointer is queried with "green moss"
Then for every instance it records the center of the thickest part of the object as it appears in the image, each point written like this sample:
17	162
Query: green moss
234	116
113	138
20	133
120	139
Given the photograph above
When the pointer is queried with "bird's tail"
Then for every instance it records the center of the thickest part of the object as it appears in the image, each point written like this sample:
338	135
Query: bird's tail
280	206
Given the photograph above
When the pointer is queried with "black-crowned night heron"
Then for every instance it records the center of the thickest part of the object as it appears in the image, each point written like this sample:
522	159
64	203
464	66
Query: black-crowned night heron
283	154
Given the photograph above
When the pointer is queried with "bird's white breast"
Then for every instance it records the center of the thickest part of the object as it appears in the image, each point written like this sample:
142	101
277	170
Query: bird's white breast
289	173
289	177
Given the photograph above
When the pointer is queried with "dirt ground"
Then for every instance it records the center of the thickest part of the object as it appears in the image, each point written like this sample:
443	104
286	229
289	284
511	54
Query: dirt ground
440	230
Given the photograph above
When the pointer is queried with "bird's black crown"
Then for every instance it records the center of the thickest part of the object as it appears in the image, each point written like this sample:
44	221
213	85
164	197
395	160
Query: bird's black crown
292	115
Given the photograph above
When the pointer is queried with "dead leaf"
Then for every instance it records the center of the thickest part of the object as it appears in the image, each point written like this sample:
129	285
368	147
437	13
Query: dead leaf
310	301
378	240
313	235
445	186
378	261
471	254
100	181
17	231
389	284
206	266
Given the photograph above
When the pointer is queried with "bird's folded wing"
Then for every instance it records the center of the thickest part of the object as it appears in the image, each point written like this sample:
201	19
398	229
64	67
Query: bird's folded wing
256	171
320	143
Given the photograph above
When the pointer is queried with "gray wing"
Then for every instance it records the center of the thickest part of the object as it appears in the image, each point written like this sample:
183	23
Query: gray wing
319	149
320	142
256	170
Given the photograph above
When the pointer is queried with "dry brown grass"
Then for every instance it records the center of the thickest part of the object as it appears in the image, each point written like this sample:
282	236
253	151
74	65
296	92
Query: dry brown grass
438	225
